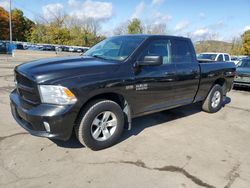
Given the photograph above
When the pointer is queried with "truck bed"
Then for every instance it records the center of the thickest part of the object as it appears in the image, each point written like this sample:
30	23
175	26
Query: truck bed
210	72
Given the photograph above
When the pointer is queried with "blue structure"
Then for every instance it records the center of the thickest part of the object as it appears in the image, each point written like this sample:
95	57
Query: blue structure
10	47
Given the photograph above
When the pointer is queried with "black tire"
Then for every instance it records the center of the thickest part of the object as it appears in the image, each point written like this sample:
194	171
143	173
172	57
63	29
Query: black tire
207	104
83	127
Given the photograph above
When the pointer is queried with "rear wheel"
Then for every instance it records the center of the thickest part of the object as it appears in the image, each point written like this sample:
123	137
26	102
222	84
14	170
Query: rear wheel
100	125
214	100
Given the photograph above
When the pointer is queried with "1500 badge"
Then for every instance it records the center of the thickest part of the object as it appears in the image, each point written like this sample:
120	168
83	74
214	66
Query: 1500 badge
138	87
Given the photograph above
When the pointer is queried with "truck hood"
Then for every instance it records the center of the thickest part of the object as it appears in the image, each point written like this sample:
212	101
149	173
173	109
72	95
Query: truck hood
243	71
54	69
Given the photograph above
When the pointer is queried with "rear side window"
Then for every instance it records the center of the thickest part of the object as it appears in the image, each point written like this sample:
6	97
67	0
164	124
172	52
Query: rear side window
220	58
158	48
226	57
182	52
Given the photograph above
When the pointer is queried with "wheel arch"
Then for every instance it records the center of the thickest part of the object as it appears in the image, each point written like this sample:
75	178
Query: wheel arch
118	98
223	83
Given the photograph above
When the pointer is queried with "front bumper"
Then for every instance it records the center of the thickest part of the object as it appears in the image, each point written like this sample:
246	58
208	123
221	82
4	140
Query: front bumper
242	84
60	118
242	80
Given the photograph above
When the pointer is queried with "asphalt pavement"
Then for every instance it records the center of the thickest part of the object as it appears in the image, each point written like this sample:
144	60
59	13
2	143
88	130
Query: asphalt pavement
183	147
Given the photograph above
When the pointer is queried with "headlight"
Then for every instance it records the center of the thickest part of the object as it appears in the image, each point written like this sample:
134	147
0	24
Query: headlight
56	95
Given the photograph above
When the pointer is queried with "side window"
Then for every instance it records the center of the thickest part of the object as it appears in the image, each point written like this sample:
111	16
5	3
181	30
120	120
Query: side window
182	52
226	57
220	58
158	48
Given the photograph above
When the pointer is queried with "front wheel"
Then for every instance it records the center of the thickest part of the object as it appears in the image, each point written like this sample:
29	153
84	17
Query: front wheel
100	125
214	100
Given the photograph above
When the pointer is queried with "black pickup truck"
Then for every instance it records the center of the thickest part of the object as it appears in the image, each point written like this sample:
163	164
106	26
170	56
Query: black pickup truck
99	93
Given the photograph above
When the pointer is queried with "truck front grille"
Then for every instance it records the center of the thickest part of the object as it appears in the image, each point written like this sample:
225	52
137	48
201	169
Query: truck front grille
244	75
27	89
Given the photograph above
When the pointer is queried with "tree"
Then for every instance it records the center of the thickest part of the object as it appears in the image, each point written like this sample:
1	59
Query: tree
4	24
236	47
49	34
68	32
135	27
83	32
60	29
91	25
20	25
246	42
156	29
122	29
36	33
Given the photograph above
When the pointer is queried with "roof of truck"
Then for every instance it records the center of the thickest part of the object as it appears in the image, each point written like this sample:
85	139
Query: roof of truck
150	35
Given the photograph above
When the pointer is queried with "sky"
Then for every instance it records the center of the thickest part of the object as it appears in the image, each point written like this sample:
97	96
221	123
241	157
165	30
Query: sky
199	19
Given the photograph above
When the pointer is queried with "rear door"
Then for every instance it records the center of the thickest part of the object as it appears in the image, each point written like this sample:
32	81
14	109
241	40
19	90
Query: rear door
187	71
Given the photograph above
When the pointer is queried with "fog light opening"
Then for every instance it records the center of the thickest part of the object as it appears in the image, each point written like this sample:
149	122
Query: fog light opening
47	127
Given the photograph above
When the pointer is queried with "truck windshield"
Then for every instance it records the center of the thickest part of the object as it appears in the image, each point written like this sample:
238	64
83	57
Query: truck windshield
207	56
115	48
245	63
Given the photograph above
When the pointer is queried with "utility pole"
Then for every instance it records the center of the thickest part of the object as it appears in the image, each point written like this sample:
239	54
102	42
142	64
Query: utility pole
10	24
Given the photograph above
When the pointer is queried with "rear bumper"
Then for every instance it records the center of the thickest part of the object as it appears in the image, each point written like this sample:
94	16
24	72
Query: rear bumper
60	118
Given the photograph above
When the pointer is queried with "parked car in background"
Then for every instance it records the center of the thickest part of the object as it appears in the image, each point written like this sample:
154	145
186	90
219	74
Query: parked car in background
243	57
6	47
49	48
235	59
78	49
72	49
211	56
65	48
58	48
19	46
26	45
84	49
3	48
242	77
34	47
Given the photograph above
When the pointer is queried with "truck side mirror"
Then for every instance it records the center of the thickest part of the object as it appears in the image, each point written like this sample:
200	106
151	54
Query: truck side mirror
151	61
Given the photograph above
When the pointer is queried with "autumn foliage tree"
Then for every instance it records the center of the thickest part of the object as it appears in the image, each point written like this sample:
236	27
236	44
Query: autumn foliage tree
241	46
66	30
236	46
20	25
246	43
4	24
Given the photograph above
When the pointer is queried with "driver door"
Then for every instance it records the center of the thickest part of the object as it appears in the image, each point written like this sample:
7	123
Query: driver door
154	84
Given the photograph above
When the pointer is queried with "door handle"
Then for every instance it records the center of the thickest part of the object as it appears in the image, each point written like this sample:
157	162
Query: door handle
169	79
169	74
